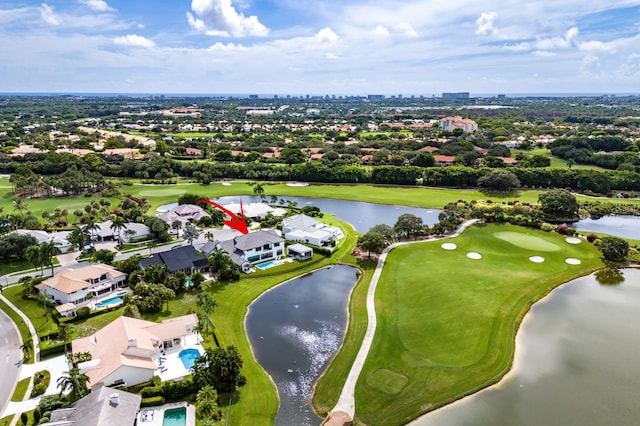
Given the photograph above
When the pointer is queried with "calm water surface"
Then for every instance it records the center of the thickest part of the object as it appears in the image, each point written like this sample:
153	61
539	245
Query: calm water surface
580	363
621	226
294	330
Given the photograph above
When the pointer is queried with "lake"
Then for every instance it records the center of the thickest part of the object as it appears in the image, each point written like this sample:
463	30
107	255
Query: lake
621	226
578	364
294	337
362	216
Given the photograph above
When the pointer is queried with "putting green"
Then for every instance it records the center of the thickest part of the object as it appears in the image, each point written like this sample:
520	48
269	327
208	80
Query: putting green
528	242
387	381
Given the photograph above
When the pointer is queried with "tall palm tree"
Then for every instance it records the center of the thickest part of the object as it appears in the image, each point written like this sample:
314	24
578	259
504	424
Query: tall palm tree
20	205
208	305
49	250
75	382
78	236
117	224
91	225
33	254
216	258
258	189
190	233
176	225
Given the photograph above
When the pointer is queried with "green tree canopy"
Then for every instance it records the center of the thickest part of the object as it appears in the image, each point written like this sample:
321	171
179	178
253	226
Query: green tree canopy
558	205
614	248
499	180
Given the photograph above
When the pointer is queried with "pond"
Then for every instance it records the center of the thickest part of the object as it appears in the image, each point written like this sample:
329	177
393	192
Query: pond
294	337
576	362
360	215
620	226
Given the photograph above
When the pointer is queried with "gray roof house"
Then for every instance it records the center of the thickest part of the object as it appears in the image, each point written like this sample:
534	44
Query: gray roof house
102	407
183	258
138	231
252	248
185	213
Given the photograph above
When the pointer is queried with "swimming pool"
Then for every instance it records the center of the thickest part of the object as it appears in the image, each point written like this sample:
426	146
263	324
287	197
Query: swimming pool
269	264
188	357
175	416
115	300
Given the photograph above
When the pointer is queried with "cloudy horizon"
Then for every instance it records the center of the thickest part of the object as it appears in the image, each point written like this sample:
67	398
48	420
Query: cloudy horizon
334	47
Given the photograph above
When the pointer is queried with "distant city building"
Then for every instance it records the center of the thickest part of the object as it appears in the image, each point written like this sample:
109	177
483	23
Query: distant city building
375	97
455	95
451	123
253	96
502	96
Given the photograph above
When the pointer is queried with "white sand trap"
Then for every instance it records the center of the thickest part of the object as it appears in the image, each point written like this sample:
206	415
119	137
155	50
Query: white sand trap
572	261
449	246
474	255
226	183
536	259
573	240
297	184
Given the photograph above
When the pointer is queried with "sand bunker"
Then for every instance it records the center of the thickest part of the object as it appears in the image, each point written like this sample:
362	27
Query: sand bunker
536	259
474	255
226	183
573	240
449	246
572	261
297	184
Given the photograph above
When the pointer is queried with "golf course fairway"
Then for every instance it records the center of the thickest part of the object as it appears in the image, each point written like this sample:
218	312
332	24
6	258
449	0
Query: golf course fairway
447	321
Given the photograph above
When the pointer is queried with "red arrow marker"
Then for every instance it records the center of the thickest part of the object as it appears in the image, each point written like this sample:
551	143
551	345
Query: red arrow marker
237	223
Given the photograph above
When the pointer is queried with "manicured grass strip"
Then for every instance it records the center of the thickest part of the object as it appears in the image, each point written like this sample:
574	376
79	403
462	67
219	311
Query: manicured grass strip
21	389
32	309
448	323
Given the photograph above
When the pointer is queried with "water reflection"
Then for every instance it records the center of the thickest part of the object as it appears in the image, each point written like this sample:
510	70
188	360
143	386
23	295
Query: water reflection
576	363
620	226
294	330
609	276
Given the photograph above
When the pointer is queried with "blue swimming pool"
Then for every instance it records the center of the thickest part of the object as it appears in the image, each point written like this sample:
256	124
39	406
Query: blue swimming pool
188	357
175	417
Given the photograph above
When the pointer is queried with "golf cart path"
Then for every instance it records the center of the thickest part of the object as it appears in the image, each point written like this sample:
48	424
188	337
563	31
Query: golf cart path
346	403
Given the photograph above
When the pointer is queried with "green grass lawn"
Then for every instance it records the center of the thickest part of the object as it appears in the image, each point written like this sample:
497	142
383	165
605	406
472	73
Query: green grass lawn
447	323
21	389
32	309
556	162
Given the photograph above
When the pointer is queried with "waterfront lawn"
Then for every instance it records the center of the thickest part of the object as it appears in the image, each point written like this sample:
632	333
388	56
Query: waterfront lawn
447	323
43	324
258	401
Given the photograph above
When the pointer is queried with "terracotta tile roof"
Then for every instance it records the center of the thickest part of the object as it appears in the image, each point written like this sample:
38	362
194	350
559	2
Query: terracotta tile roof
70	280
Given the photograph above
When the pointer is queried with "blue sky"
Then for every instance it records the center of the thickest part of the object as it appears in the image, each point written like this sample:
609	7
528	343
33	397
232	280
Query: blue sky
320	47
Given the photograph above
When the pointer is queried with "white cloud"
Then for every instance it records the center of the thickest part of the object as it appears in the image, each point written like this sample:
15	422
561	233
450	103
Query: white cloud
406	29
134	40
220	18
484	24
543	53
97	5
381	30
49	15
326	35
569	40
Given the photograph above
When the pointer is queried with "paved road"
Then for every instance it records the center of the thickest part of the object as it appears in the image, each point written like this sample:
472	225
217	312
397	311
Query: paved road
10	358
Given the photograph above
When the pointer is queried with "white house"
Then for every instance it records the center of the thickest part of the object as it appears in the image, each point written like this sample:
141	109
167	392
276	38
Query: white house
451	123
128	350
255	210
252	248
306	229
72	285
130	231
59	238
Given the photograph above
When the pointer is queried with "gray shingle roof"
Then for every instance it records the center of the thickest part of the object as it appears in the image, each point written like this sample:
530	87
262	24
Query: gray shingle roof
96	409
257	239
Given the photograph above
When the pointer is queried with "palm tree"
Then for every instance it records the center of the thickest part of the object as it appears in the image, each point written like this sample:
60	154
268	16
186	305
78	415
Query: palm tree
209	235
129	233
117	224
27	348
176	225
75	382
78	236
258	189
208	305
190	233
19	205
33	254
91	225
207	402
216	258
48	251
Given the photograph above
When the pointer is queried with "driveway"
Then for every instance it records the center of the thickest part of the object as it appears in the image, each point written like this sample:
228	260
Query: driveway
56	366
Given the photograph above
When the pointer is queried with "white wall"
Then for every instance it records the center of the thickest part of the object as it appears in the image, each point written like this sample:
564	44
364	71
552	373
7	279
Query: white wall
131	375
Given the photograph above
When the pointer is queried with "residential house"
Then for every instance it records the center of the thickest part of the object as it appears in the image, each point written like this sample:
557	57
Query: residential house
127	351
255	210
185	213
76	286
444	160
59	238
306	229
249	249
130	231
102	407
451	123
182	258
